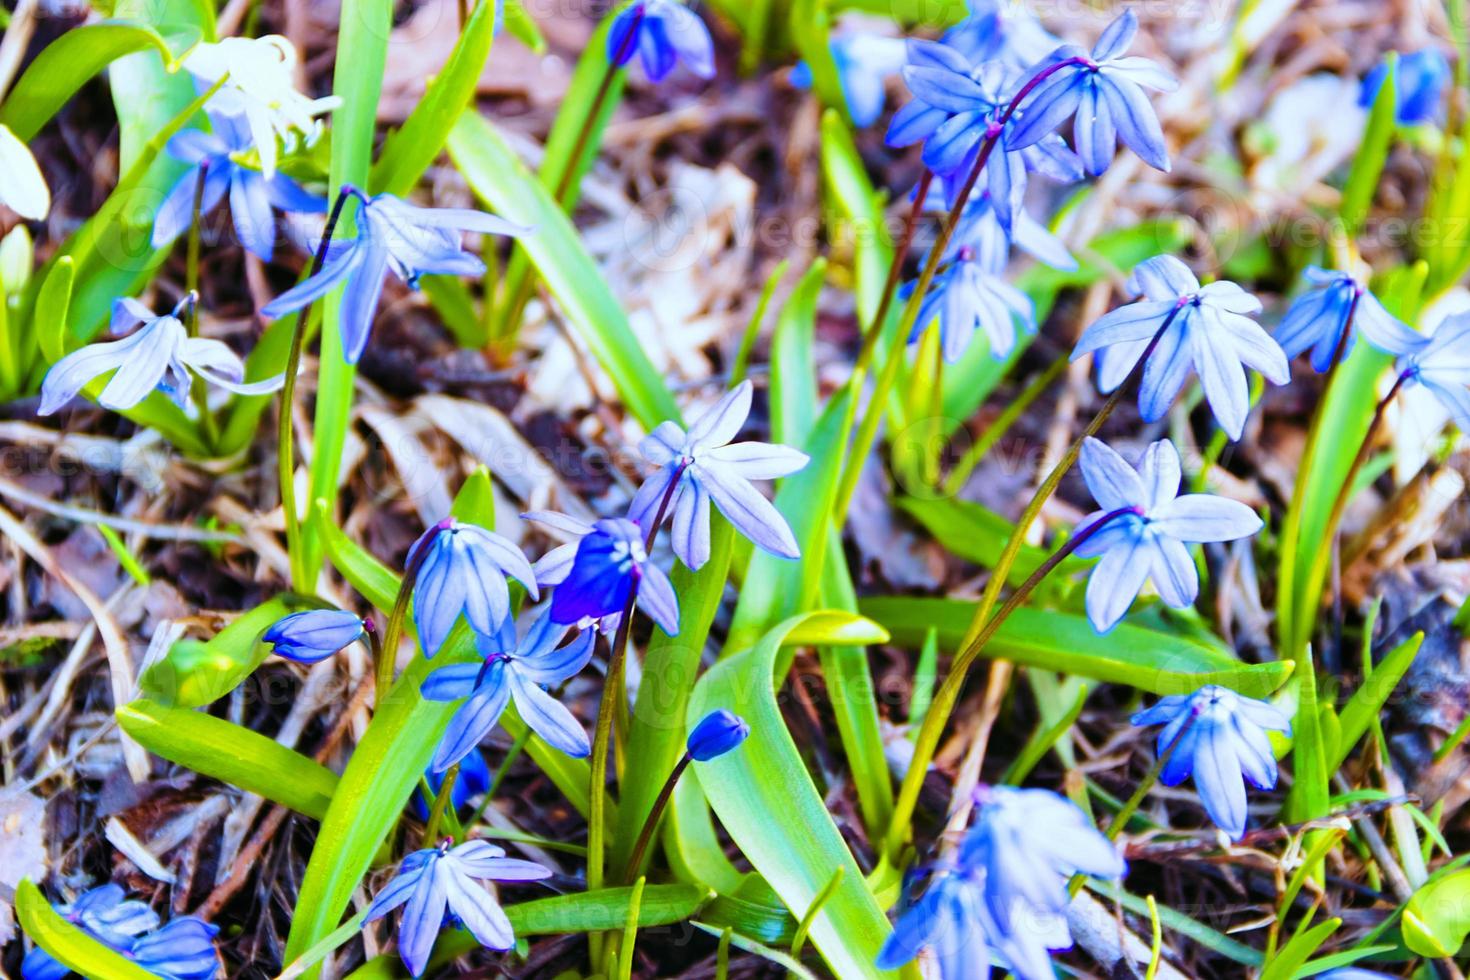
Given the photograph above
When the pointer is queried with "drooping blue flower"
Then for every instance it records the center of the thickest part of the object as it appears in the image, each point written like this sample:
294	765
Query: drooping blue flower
182	950
718	732
701	465
1104	91
611	564
391	235
956	107
158	356
1209	331
442	886
980	230
252	194
462	569
864	63
1148	527
512	670
950	919
1000	31
474	778
1222	742
1420	81
314	634
1319	316
969	294
1441	363
662	33
553	567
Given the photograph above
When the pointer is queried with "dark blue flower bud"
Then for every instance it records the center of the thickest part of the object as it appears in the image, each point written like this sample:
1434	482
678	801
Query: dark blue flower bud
313	635
717	733
183	950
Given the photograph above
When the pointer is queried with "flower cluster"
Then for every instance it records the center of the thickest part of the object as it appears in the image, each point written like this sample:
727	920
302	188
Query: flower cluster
181	949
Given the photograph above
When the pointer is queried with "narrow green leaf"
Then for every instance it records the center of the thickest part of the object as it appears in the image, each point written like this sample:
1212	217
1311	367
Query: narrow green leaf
861	208
1285	964
1367	701
522	26
192	673
1362	182
67	944
811	31
793	367
52	303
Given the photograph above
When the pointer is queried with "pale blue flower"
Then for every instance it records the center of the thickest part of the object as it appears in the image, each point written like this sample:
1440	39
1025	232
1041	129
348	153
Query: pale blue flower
1104	91
462	568
439	886
1318	318
391	235
701	465
1421	79
512	670
1208	331
1148	527
864	63
1222	742
980	229
313	635
718	732
1002	30
1441	363
662	33
182	950
970	294
158	356
252	194
611	565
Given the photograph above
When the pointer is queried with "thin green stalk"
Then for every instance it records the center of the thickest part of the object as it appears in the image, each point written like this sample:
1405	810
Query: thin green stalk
199	392
441	801
393	632
805	925
660	803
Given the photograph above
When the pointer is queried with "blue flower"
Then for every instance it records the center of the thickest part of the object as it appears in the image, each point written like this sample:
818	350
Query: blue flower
1319	316
701	465
462	569
441	886
662	33
474	778
158	356
1441	363
1104	91
391	235
251	193
1208	330
1221	740
313	635
1148	526
1420	81
980	229
611	565
553	567
950	920
997	30
968	294
512	670
718	732
181	950
864	62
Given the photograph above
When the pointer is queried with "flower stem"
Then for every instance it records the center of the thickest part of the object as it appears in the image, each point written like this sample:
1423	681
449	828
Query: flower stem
441	801
199	392
1344	492
983	626
285	451
393	632
655	814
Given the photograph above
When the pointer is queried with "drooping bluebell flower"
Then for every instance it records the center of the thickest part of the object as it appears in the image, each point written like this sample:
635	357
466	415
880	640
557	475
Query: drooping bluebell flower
104	913
461	568
252	194
956	107
553	567
511	670
160	355
22	185
182	950
391	235
980	230
718	732
701	465
442	886
1222	742
1104	91
610	566
1000	31
1319	316
474	778
313	635
864	63
1209	331
662	33
1148	527
951	921
1420	81
1441	363
970	294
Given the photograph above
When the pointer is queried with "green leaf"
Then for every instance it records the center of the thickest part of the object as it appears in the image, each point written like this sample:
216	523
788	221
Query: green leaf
68	63
522	26
1161	663
52	303
1283	965
1437	917
798	853
66	943
499	177
811	32
1368	700
793	368
193	673
408	152
861	208
978	534
475	502
1362	182
232	754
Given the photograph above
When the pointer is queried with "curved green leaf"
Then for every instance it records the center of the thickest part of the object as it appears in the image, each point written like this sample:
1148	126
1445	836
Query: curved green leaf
66	943
1437	917
192	673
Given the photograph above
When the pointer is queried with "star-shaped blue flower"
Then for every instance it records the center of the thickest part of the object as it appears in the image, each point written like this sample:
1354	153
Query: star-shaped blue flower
1441	363
1337	303
610	565
662	33
1222	742
1209	331
1148	526
512	670
970	294
462	569
864	63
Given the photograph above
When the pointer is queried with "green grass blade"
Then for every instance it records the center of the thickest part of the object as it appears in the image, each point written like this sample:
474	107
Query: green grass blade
1368	162
793	367
1367	701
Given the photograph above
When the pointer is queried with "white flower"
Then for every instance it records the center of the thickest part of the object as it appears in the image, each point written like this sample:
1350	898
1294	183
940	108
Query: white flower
259	84
22	188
